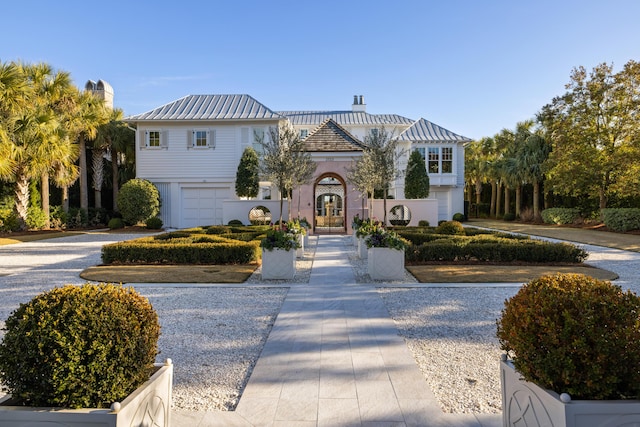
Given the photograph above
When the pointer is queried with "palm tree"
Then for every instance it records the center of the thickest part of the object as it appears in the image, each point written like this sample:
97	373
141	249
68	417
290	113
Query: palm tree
534	151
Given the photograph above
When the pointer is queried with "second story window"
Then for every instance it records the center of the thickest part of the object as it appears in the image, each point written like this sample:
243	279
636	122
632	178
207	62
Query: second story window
153	138
447	159
433	163
200	138
304	133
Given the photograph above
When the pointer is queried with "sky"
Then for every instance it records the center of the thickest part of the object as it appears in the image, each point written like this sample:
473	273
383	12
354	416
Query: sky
471	66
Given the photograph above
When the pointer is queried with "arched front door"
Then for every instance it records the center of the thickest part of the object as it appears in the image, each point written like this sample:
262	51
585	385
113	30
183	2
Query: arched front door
330	204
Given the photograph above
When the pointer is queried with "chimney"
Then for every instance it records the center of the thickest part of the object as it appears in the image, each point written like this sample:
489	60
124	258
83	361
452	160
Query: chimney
358	104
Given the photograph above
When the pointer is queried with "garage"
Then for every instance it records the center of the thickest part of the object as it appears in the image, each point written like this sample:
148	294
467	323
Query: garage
202	206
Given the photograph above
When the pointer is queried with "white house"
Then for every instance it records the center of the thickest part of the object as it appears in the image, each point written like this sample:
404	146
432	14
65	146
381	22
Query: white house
190	149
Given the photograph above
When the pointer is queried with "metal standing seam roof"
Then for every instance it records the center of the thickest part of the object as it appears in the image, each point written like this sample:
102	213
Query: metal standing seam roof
314	118
331	137
425	131
209	107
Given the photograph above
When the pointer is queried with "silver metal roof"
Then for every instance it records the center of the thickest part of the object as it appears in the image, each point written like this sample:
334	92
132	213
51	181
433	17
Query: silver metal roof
345	118
209	107
425	131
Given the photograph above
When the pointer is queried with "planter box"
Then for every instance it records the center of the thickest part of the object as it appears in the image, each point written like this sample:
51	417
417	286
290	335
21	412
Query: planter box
385	264
526	404
362	248
278	264
300	250
149	404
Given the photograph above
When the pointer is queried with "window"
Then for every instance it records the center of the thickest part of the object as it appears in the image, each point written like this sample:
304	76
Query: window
153	138
447	159
258	137
433	163
201	138
421	151
304	133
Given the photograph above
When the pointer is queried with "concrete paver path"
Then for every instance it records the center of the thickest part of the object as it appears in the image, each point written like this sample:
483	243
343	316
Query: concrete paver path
335	358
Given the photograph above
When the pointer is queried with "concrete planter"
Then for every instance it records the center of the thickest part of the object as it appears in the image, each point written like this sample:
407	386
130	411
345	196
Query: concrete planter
278	264
300	250
149	404
362	248
385	264
526	404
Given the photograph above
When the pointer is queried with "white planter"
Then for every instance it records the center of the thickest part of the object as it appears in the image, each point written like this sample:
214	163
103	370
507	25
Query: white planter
362	248
305	240
149	404
300	250
526	404
278	264
386	264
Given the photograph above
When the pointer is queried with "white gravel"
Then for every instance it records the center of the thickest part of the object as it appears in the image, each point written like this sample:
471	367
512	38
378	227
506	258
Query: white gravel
215	334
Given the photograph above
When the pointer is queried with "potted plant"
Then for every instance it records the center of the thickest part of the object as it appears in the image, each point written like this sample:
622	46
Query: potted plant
295	227
84	355
385	259
366	227
279	253
573	354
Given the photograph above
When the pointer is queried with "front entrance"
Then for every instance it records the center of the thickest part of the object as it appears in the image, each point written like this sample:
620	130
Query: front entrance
330	204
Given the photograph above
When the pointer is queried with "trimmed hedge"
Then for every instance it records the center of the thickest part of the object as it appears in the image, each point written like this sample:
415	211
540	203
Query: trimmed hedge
560	216
230	252
495	250
621	219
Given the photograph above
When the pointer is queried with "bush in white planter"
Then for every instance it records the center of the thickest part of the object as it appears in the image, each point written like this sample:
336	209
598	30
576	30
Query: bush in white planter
279	253
385	254
79	347
578	339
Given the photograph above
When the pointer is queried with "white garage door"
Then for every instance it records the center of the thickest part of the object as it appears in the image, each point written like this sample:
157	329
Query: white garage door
202	206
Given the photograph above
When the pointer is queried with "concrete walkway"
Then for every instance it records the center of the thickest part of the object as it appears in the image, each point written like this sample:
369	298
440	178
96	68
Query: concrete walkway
334	358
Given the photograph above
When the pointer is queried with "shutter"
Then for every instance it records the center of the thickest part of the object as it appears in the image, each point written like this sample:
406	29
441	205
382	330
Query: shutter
189	139
164	139
142	138
211	137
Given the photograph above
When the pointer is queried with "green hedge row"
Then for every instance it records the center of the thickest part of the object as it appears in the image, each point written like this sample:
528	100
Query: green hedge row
560	216
418	237
621	219
495	250
145	252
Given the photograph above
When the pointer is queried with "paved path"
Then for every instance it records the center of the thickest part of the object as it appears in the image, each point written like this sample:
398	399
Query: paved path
334	358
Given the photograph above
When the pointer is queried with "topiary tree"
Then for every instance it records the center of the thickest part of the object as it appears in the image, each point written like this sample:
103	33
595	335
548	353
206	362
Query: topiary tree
416	179
248	174
138	200
79	346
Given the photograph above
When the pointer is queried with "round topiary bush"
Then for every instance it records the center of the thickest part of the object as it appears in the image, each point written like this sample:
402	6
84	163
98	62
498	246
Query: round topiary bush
458	217
138	200
154	223
79	346
450	227
115	223
574	334
235	222
509	216
423	223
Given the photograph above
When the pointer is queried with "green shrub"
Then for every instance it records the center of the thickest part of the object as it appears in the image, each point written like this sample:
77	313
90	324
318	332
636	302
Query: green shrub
510	216
560	216
450	227
79	346
235	222
574	334
8	220
218	229
35	218
458	217
423	223
57	217
115	223
154	223
138	199
77	218
621	219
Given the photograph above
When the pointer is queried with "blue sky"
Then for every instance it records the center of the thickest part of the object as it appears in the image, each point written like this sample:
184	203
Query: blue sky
473	67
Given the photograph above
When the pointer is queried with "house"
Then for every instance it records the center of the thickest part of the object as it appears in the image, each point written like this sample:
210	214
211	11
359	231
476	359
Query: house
190	149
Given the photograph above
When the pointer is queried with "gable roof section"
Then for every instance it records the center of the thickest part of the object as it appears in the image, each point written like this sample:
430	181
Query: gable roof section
209	107
425	131
330	136
301	118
